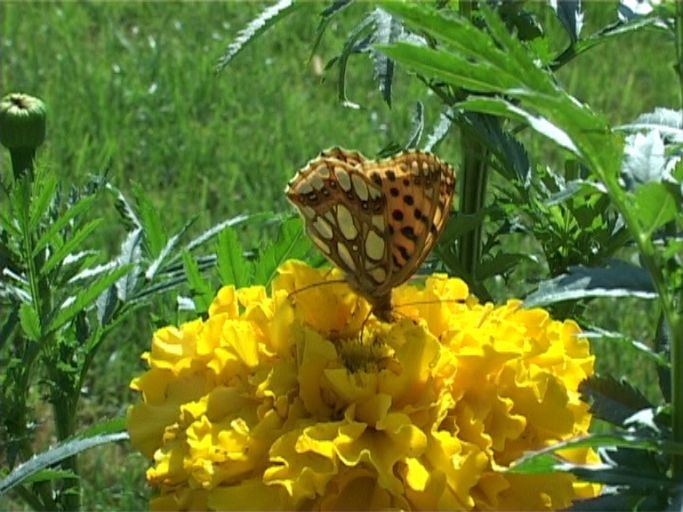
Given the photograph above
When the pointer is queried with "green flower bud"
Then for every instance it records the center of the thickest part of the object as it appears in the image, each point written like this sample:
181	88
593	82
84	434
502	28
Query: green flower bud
22	129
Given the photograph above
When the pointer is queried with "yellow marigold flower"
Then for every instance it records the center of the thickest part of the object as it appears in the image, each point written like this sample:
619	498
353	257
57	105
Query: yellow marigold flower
298	399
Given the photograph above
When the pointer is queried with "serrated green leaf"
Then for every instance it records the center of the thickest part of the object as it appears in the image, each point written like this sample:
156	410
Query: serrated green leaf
291	244
202	291
446	66
130	255
30	323
75	241
125	209
266	19
85	298
510	153
612	400
55	227
499	63
170	245
41	203
233	268
619	279
216	229
150	218
655	206
500	107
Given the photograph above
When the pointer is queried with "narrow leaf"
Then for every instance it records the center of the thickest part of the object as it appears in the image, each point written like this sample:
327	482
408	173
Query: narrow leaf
171	245
388	30
150	217
500	107
214	230
125	209
202	291
570	15
233	268
41	203
509	151
325	17
55	227
350	46
85	298
619	279
266	19
30	323
130	255
418	127
77	240
53	456
440	130
537	462
290	244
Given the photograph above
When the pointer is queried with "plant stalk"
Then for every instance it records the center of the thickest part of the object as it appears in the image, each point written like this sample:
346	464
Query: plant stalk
675	317
475	178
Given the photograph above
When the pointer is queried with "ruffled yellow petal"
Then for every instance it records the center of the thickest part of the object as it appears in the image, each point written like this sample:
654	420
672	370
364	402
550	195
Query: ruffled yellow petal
301	399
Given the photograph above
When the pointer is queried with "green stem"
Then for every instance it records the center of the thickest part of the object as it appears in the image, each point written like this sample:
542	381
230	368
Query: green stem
475	174
675	312
670	308
22	161
679	47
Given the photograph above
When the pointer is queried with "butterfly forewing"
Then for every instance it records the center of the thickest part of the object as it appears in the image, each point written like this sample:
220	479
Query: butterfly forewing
377	221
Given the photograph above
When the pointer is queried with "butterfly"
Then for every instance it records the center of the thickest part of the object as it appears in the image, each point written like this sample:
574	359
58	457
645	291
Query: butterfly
375	220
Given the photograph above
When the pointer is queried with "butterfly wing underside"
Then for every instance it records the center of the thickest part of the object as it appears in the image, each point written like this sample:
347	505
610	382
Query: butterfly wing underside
376	220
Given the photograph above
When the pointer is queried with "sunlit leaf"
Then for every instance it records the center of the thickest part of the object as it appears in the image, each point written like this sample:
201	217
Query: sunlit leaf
233	268
30	323
202	291
644	159
266	19
76	241
291	244
655	206
85	298
45	194
170	246
666	121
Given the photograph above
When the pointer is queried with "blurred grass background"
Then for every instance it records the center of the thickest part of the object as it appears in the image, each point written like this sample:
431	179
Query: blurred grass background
131	90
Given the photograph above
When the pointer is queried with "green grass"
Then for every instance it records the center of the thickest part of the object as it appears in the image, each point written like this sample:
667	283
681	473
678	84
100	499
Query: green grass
131	90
